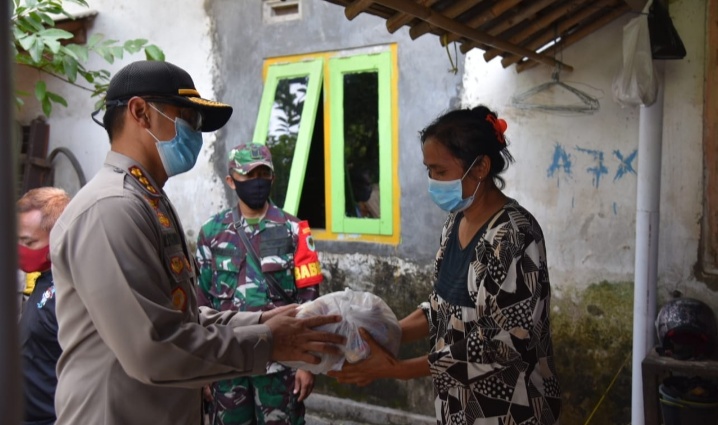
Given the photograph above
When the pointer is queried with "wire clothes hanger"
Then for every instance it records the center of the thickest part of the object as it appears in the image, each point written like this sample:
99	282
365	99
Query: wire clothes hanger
585	104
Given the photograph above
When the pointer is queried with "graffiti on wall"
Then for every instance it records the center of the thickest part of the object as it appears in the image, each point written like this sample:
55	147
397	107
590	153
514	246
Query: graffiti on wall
562	164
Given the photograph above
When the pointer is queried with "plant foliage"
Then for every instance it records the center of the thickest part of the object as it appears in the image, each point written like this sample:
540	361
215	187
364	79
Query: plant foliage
38	44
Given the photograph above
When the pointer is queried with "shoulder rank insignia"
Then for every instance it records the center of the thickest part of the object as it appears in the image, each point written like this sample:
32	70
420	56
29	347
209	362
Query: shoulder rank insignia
137	173
177	264
179	299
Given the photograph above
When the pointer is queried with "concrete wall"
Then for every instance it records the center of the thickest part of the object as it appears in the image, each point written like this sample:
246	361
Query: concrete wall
188	45
578	173
426	89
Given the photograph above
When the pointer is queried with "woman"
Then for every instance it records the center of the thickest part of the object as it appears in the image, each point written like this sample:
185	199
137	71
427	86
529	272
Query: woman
488	314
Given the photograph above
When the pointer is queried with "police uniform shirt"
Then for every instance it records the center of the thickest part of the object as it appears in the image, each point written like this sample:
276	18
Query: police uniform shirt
136	348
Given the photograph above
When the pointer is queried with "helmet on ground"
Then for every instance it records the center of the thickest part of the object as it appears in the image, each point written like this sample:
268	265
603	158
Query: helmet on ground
687	329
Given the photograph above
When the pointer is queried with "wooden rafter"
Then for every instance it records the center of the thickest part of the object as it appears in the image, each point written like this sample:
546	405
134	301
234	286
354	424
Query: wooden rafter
400	19
436	19
549	33
588	29
546	24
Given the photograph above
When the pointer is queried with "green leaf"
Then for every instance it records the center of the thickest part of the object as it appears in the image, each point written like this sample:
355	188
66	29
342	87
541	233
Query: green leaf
80	2
105	53
34	19
46	106
118	52
47	20
94	39
57	98
55	34
70	66
154	53
134	46
81	52
40	90
36	50
27	42
53	45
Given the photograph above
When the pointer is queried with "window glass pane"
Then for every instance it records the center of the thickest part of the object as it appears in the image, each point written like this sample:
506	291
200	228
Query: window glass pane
312	204
361	144
283	131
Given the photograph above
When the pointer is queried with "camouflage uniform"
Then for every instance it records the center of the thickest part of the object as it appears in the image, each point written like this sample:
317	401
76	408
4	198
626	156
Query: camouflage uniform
229	280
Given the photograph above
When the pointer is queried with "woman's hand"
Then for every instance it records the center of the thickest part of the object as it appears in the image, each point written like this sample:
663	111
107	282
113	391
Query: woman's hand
303	384
379	364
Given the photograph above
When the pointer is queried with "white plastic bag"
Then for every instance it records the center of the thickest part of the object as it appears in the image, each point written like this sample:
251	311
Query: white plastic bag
358	310
636	83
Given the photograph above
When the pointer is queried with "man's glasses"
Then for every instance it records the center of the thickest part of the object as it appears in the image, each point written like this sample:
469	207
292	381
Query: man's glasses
192	116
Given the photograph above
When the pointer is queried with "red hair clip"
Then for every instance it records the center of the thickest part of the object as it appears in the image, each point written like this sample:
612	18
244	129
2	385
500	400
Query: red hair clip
500	127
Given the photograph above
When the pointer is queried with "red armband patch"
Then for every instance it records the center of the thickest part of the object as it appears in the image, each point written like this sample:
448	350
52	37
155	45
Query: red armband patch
307	270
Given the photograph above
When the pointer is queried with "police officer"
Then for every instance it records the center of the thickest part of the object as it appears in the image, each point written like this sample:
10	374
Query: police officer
137	349
232	278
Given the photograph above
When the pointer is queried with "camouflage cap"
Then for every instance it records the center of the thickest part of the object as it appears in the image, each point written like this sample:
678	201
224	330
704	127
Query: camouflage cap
248	156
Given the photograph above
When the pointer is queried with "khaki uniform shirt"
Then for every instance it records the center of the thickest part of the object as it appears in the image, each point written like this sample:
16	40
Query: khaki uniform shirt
136	349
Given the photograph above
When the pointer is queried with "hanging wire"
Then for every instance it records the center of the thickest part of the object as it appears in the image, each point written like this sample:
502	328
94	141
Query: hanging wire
455	61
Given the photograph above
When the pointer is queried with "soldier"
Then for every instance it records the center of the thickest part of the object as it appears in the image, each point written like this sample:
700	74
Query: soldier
272	262
137	350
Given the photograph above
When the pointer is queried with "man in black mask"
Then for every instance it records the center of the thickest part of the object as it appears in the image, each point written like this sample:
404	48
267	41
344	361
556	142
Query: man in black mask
255	257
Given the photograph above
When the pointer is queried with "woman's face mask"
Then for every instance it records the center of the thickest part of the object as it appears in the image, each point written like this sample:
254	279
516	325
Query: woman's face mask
448	195
179	154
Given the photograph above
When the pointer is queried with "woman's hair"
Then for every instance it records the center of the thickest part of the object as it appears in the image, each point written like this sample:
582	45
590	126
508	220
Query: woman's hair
50	201
468	133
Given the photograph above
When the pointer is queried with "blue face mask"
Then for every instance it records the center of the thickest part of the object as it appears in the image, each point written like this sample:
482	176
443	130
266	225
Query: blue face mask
179	154
448	195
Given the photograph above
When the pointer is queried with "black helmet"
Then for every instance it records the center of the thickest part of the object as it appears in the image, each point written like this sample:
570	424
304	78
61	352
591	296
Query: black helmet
686	329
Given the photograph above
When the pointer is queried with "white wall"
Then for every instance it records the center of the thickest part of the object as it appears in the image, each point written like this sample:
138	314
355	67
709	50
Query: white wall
181	28
589	224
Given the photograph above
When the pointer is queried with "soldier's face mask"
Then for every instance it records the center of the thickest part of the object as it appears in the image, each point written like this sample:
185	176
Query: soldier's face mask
253	192
179	154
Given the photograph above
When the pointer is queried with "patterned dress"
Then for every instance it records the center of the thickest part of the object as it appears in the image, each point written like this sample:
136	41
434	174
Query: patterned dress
492	363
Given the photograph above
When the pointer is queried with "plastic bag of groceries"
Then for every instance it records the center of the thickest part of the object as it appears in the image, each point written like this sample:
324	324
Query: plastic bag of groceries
358	310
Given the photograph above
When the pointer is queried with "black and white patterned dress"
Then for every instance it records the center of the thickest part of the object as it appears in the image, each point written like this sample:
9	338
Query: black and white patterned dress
492	363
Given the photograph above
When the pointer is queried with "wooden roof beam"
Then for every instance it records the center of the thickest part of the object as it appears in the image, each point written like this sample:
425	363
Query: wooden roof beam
400	19
479	20
578	35
522	15
452	12
353	10
440	21
548	20
551	33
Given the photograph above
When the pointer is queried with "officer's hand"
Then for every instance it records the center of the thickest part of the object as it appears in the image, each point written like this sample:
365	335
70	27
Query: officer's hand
290	310
296	340
303	384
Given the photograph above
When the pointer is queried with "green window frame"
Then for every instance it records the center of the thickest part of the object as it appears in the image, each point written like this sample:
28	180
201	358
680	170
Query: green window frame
338	67
312	69
325	89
